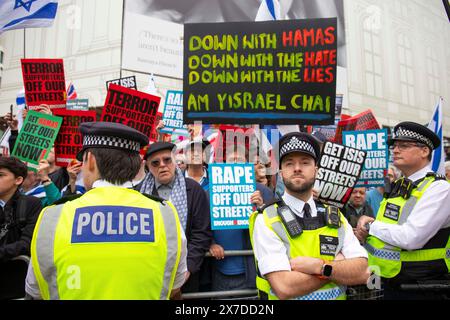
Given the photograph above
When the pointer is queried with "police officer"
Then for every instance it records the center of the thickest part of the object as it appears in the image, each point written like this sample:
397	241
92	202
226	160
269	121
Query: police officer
303	249
410	239
112	242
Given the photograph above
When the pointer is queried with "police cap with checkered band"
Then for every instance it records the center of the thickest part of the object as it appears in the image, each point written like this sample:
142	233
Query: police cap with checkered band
110	135
299	142
411	131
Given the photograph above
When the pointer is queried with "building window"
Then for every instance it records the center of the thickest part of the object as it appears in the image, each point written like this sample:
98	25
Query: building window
432	75
372	59
406	70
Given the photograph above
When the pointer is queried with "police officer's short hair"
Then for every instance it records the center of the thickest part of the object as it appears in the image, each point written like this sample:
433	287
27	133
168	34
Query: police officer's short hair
118	166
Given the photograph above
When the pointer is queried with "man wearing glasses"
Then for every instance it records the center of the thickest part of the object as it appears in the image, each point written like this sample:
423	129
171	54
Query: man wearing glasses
167	181
409	241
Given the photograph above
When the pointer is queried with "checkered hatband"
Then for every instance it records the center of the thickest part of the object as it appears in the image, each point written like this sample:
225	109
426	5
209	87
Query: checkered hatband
114	142
405	133
297	145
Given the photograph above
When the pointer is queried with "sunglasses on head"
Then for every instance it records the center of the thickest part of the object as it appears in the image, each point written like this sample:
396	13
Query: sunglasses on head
157	162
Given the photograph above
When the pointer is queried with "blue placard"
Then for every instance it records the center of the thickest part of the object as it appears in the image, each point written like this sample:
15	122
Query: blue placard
113	224
376	164
230	188
173	114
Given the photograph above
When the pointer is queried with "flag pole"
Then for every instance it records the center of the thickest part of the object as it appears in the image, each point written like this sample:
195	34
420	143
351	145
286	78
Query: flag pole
24	42
121	37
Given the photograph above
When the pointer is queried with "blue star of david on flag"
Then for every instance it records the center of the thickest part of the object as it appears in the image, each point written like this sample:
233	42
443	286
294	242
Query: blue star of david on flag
20	14
25	4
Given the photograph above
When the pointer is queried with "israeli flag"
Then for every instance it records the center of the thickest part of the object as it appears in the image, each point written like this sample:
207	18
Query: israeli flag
21	106
151	87
268	10
435	125
20	14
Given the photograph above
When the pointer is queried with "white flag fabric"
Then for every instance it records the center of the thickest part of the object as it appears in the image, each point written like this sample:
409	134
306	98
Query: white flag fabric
435	125
268	10
20	14
151	87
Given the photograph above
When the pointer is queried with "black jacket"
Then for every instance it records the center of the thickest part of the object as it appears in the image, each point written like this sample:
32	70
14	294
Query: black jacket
19	215
198	225
353	216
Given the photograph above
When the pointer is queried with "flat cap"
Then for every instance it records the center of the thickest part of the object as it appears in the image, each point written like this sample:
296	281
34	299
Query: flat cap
110	135
158	146
299	142
411	131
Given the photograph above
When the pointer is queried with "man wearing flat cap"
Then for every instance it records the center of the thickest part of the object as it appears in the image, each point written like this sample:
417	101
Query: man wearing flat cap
410	239
304	250
112	242
167	181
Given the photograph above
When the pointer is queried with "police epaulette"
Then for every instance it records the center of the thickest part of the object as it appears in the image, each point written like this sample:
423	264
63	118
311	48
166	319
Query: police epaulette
266	205
436	176
155	198
67	198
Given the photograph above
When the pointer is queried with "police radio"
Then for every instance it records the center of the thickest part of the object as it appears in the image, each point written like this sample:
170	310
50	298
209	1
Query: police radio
289	220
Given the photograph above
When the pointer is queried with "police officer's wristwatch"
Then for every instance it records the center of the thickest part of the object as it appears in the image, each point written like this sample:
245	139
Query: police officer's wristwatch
327	270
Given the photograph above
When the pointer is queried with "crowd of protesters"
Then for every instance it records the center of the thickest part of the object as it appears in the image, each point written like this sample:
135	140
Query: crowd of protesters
176	174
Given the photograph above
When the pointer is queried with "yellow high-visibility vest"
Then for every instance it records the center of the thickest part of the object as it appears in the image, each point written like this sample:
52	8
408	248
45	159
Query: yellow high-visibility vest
307	244
111	243
385	259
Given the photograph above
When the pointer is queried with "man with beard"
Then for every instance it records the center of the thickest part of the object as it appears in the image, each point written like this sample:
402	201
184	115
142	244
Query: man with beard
304	249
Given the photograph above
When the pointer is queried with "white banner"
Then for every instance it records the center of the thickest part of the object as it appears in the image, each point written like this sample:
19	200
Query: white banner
152	46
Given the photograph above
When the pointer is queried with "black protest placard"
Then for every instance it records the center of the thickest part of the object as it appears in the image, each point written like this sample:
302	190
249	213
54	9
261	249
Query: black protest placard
127	82
339	170
270	72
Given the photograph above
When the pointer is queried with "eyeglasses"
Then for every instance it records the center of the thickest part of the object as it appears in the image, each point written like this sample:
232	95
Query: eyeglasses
157	162
406	145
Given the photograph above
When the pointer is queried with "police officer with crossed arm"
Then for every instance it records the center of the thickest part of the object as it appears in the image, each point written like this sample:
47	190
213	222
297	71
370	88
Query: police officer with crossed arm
409	242
112	242
303	249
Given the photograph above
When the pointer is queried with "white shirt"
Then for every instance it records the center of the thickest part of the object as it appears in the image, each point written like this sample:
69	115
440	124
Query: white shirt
430	214
271	252
32	287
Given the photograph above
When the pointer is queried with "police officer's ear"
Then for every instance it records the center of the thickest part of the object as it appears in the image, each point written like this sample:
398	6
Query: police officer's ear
89	159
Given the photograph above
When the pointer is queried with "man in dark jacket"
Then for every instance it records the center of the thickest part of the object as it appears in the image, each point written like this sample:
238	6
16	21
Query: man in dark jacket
168	182
18	215
357	206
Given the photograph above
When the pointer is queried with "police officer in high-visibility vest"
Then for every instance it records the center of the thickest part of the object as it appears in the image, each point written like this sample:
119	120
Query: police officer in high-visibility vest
304	250
112	242
409	241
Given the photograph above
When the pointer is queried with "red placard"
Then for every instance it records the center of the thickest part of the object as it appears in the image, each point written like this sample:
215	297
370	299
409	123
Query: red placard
44	82
154	135
362	121
133	108
69	140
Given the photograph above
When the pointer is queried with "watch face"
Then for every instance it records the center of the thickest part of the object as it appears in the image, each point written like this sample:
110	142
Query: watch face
327	270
